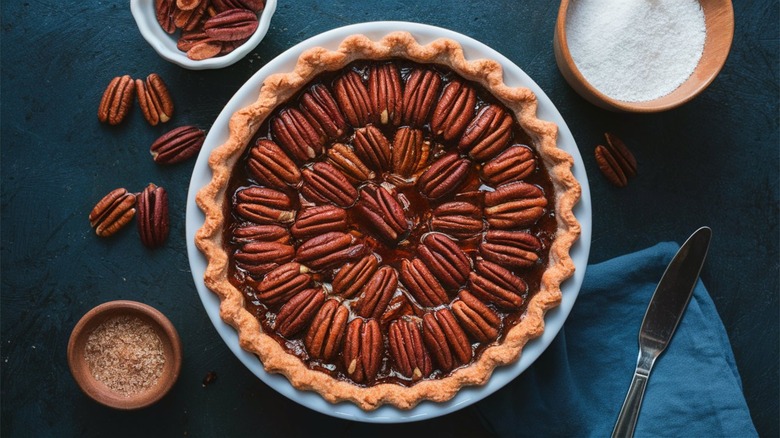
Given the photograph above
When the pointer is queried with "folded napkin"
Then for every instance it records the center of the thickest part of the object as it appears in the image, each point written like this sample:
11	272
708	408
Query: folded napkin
577	386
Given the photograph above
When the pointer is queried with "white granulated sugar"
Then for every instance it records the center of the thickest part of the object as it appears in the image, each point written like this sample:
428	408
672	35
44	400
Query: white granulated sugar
635	50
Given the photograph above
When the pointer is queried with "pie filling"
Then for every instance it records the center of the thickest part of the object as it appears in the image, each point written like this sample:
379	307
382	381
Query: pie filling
389	222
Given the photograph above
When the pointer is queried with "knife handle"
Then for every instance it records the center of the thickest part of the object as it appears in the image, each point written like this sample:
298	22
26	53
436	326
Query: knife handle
629	413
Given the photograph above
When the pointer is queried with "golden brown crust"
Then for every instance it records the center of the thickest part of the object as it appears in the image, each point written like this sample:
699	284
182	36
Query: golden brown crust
279	87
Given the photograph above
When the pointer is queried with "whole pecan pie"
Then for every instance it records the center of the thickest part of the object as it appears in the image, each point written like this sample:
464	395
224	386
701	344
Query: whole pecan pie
388	222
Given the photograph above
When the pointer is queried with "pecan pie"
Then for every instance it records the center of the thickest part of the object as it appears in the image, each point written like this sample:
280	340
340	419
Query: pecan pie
388	222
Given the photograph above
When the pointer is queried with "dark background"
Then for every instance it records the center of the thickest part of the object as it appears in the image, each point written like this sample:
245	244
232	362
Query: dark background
711	162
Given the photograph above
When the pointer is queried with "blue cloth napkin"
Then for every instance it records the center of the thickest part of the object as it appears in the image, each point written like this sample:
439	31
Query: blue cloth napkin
577	386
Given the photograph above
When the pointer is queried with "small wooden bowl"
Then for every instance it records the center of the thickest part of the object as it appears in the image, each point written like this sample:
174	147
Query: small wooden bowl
719	23
98	390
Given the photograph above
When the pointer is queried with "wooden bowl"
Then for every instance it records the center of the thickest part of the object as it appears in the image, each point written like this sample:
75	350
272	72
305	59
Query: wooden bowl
719	23
100	392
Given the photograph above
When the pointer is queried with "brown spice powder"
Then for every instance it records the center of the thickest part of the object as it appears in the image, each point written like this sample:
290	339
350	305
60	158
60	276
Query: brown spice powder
125	354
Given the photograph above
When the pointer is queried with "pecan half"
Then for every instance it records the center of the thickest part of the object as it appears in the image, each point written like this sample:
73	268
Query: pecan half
188	20
444	176
422	89
186	5
345	159
477	319
514	205
616	161
204	50
163	10
377	293
113	212
448	263
488	134
495	284
352	97
384	90
154	99
270	166
382	212
293	131
322	107
363	349
231	25
261	233
253	5
324	183
410	151
372	147
459	219
314	221
259	258
153	219
511	248
421	284
399	307
177	145
188	39
296	314
282	283
116	100
353	276
326	332
446	340
262	205
454	111
329	250
514	164
407	349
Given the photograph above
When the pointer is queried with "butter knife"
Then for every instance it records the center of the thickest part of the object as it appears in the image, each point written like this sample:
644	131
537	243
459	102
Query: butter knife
664	312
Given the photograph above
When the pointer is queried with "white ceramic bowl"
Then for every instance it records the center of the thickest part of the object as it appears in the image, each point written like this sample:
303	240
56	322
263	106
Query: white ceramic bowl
165	44
554	319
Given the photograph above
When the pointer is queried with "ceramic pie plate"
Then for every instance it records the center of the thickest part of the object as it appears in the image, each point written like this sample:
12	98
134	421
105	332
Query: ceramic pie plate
554	319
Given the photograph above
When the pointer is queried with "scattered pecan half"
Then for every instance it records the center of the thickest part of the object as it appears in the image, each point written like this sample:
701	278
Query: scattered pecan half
488	134
323	183
382	212
321	219
296	314
420	94
444	176
448	263
363	349
459	219
253	5
421	283
262	205
117	100
616	161
270	166
188	20
384	90
326	332
514	164
407	349
329	250
514	205
113	212
164	13
495	284
476	318
456	108
353	276
352	97
377	293
410	151
153	219
344	158
177	145
448	343
282	283
372	147
154	99
231	25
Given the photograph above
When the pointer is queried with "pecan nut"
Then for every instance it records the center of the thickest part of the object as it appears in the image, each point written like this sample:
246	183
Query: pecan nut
324	183
296	314
421	284
444	176
177	145
253	5
163	10
372	147
204	50
153	226
326	332
514	164
488	134
293	131
261	233
189	39
314	221
352	97
384	90
260	258
476	318
410	151
420	94
454	111
116	100
407	349
282	283
448	343
514	205
399	307
154	99
511	248
231	25
344	158
322	107
186	5
382	212
113	212
448	263
377	293
459	219
353	276
329	250
616	161
188	20
495	284
270	166
363	347
262	206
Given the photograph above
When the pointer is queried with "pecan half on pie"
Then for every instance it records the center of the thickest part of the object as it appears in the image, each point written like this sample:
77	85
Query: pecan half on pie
388	222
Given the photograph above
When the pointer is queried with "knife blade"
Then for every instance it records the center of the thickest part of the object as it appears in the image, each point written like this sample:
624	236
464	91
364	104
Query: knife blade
663	314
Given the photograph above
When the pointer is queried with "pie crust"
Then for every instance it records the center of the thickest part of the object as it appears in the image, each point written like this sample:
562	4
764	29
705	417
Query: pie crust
276	90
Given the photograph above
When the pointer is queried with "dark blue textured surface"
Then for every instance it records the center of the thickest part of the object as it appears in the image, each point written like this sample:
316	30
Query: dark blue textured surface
712	162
